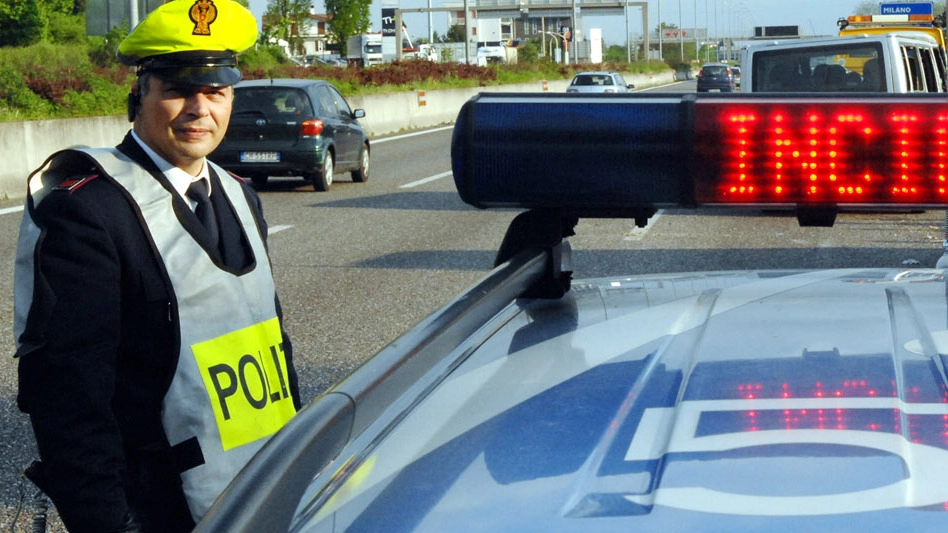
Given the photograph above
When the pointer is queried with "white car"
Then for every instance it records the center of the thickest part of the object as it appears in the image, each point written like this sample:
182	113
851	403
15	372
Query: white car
599	82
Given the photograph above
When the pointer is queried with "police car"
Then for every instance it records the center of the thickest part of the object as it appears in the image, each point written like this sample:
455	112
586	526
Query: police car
779	401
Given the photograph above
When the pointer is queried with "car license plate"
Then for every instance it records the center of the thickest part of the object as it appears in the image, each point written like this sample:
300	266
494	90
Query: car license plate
259	157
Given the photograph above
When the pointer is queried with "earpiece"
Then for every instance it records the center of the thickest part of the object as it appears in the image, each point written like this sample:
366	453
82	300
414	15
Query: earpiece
133	102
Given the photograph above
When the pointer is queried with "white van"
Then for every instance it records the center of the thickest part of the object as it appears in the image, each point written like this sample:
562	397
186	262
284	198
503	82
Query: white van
902	62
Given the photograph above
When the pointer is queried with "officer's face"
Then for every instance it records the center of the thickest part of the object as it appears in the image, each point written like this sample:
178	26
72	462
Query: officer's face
183	123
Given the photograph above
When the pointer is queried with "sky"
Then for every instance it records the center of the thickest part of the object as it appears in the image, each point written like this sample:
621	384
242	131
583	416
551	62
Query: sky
734	18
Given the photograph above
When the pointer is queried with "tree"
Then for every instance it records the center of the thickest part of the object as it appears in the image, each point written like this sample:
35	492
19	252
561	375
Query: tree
616	54
26	22
455	34
867	7
21	23
347	18
285	20
529	53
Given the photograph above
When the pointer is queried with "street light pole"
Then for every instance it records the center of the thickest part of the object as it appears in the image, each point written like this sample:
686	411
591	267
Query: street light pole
132	14
572	33
660	32
695	29
681	34
562	44
467	33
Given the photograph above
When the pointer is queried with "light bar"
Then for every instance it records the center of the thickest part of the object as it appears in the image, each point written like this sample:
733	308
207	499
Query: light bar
601	153
877	19
543	150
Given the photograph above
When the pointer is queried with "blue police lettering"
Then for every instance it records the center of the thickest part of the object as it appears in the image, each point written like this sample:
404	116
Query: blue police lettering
249	371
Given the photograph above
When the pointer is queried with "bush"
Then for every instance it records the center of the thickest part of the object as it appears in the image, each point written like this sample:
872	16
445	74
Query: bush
85	79
17	101
103	50
529	53
63	29
103	98
58	81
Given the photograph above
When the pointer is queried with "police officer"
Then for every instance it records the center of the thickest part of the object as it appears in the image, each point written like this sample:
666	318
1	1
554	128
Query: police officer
152	357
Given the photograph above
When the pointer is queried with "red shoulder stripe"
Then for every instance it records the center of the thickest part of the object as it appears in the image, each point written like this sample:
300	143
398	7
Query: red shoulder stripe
236	177
72	185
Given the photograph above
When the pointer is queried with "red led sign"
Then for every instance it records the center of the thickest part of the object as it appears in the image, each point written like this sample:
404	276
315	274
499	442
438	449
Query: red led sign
822	151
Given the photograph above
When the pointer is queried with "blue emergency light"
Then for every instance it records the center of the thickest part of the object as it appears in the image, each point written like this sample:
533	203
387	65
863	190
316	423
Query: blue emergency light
601	153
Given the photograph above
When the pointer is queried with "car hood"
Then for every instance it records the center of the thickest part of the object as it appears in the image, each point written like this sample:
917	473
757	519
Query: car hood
737	401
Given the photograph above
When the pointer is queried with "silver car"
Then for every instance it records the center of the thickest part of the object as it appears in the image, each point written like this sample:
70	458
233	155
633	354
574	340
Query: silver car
599	82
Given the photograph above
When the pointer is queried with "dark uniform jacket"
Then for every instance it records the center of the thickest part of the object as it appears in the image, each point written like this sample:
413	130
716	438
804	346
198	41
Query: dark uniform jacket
100	348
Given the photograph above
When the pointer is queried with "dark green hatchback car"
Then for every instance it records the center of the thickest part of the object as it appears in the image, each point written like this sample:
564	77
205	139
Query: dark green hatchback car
293	127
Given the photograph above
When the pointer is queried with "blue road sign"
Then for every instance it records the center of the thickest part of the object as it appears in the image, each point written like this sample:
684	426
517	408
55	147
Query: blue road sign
919	8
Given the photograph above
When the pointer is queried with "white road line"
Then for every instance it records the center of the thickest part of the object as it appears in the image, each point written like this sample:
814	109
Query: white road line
415	134
425	180
638	233
8	210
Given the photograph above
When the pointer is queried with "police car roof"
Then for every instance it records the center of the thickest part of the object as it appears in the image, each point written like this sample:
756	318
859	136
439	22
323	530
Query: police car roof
736	401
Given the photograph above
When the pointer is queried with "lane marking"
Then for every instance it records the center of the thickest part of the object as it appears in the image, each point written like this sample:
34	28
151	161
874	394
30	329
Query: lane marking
425	180
637	233
8	210
413	134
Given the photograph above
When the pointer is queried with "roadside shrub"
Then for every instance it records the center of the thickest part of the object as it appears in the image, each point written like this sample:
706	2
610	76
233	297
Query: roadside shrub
63	29
58	81
529	53
103	98
103	50
264	56
17	101
84	79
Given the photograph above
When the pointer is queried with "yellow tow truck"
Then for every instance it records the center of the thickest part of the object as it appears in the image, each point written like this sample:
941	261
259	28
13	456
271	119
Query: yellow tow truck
876	24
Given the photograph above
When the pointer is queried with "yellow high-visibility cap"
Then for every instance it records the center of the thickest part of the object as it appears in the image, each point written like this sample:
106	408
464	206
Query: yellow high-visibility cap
191	41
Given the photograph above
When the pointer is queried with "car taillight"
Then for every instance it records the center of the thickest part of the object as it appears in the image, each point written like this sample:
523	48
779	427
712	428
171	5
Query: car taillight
311	127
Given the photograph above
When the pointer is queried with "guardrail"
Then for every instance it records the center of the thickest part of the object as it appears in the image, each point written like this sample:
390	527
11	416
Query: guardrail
25	145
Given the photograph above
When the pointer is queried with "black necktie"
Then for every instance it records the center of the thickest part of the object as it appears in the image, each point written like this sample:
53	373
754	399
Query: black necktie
197	191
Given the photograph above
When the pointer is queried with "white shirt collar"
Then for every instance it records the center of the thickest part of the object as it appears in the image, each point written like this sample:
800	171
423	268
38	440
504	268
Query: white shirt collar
179	179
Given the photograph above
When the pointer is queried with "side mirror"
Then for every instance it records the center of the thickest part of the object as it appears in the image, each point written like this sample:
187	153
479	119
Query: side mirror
358	113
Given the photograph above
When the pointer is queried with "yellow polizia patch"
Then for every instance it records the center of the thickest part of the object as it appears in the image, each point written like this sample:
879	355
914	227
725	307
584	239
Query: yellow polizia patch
245	374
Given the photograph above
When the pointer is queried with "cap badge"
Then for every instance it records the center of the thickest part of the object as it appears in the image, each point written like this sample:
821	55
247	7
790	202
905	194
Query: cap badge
202	14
